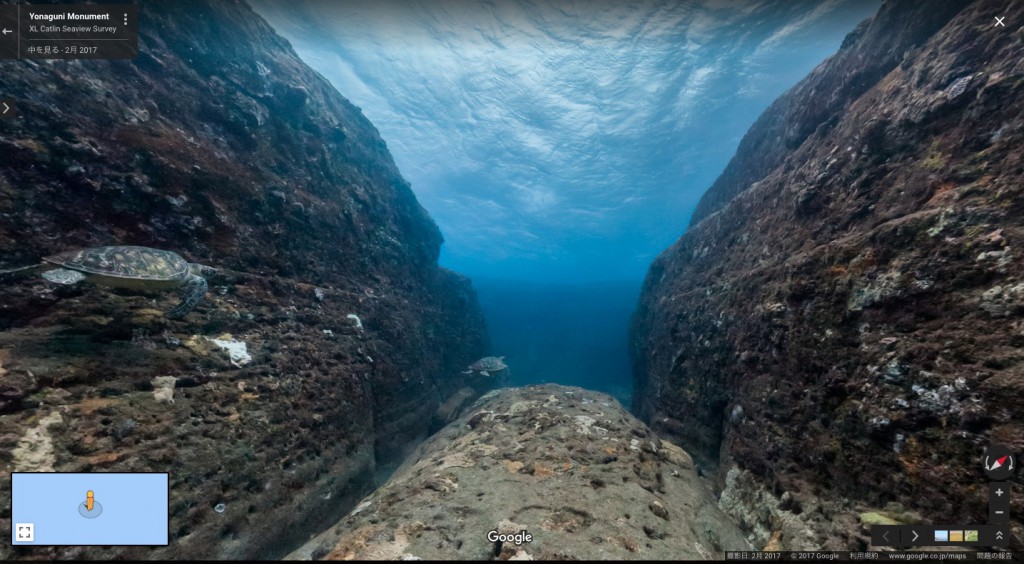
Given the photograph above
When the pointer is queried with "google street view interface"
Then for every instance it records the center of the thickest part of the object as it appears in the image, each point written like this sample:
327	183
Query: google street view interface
511	279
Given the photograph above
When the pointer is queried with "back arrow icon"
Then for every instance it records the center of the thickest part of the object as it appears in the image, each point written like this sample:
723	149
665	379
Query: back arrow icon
6	31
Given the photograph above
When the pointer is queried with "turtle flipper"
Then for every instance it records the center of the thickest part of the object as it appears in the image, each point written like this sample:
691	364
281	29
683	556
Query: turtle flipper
63	276
484	373
26	270
195	289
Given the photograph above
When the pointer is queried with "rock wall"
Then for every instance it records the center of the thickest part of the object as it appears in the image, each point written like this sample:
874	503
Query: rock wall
328	339
839	330
867	54
568	466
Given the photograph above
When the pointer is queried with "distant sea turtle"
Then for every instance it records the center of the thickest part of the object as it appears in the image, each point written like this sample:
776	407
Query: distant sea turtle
486	365
136	268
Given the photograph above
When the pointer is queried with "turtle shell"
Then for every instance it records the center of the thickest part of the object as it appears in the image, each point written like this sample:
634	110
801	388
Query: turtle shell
133	263
488	363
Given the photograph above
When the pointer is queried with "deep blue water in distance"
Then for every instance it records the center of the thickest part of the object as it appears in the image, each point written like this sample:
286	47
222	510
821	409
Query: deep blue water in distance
571	334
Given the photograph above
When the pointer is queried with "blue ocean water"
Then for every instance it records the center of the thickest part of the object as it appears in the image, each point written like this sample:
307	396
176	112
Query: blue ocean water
556	140
572	334
562	143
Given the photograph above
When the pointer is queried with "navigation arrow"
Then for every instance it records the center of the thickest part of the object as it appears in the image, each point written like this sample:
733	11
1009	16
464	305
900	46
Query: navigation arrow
915	535
999	535
6	31
885	536
8	108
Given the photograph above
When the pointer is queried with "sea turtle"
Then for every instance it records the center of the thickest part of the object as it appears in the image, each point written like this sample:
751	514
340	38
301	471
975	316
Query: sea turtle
137	268
486	365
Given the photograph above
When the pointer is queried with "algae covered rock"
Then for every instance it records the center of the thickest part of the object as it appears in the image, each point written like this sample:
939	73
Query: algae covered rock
851	281
542	472
327	340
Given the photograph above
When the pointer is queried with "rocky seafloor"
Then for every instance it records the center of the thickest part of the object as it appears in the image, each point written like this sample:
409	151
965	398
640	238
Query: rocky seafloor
839	331
568	466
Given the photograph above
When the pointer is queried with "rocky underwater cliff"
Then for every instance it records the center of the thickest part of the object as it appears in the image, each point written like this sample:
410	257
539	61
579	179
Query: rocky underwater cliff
329	336
839	331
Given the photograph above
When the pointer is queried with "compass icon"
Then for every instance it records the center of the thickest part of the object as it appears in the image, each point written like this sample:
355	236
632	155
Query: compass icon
999	462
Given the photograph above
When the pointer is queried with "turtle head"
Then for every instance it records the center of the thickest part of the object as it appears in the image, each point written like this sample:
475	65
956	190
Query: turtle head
202	269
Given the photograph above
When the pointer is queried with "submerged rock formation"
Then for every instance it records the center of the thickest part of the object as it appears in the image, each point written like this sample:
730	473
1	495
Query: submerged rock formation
328	340
840	328
567	466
